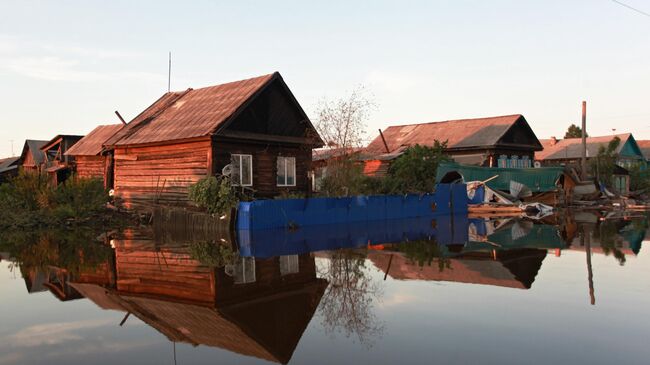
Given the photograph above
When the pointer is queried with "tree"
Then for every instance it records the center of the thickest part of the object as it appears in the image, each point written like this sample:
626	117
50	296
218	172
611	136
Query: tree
415	170
574	132
342	122
603	166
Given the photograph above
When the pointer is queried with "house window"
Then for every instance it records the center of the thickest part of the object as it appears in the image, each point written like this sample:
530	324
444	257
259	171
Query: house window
503	160
289	265
286	171
242	170
514	161
526	162
244	271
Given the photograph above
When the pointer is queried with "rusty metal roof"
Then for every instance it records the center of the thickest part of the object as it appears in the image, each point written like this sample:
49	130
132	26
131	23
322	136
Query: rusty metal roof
459	134
189	114
570	148
91	144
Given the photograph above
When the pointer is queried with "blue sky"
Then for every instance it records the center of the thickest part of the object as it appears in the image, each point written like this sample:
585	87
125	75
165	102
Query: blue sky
65	66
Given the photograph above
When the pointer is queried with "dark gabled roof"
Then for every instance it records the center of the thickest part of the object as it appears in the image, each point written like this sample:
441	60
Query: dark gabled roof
459	134
91	144
35	147
191	113
570	148
9	163
56	140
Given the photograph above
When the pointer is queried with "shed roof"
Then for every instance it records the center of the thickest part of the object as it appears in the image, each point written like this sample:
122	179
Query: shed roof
189	114
459	134
570	148
56	140
8	163
34	146
537	179
91	144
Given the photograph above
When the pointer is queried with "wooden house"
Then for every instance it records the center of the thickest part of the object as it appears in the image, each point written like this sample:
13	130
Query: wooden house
32	158
644	145
568	152
90	161
504	141
57	163
252	130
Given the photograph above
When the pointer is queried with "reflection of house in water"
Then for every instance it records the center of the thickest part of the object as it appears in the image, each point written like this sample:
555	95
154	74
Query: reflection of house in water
255	307
510	268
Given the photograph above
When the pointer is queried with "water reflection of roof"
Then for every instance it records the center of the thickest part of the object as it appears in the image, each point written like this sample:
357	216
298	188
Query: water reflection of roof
512	269
268	328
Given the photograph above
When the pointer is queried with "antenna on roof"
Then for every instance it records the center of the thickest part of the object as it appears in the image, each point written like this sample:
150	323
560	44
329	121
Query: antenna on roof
119	116
169	73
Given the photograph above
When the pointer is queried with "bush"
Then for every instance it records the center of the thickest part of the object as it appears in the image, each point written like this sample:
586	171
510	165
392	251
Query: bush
216	194
415	170
28	201
213	254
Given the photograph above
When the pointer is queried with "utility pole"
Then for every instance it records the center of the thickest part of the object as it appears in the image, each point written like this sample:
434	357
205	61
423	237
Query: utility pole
583	161
169	73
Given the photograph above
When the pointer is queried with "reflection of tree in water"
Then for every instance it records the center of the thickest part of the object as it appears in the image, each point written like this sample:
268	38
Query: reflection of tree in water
75	250
424	252
348	303
610	239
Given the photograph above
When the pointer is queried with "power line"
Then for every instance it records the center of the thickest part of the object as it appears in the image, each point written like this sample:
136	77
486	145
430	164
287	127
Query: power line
632	8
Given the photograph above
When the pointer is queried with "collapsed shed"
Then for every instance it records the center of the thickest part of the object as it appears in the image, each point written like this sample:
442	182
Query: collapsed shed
56	163
548	185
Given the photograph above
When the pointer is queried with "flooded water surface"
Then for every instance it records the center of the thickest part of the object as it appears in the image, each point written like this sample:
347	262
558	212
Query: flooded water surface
572	288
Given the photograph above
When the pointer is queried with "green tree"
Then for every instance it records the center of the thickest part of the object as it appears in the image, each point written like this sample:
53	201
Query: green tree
605	162
415	170
574	132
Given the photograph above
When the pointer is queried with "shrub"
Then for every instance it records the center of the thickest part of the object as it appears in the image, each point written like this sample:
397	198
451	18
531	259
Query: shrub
415	170
216	194
213	254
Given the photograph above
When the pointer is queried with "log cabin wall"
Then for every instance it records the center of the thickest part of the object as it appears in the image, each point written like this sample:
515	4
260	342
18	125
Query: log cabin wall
90	167
162	174
265	165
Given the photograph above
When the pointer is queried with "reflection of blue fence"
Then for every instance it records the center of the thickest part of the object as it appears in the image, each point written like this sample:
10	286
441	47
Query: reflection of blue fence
445	229
269	214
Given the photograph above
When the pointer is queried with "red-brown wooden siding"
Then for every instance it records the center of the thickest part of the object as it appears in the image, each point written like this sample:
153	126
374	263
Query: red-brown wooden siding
90	167
164	172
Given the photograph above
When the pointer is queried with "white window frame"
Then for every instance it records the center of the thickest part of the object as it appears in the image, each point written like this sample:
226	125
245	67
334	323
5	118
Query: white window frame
286	170
289	265
241	268
250	170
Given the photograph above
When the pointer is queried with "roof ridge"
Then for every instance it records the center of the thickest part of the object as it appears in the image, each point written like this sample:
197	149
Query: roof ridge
231	82
456	120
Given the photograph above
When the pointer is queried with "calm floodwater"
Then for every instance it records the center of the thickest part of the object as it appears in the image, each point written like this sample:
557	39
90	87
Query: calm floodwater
446	291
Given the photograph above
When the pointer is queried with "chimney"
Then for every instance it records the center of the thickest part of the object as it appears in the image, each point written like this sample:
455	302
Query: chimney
553	141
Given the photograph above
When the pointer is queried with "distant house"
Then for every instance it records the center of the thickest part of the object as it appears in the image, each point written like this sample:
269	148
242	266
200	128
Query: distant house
57	163
644	145
505	141
252	130
568	152
32	158
89	159
8	168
